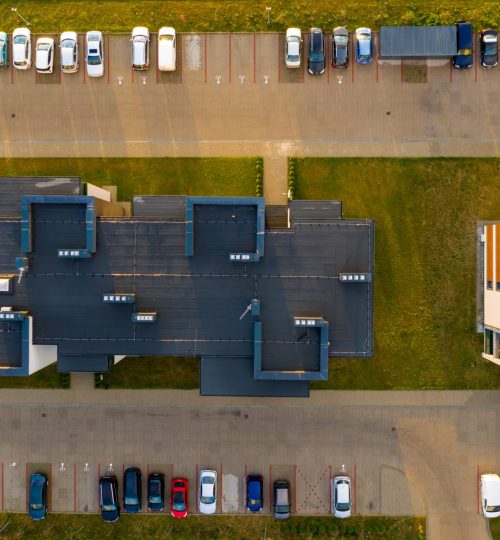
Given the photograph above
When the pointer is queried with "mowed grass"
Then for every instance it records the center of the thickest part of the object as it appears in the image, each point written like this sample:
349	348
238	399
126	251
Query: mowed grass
154	372
243	15
45	378
89	527
425	264
148	176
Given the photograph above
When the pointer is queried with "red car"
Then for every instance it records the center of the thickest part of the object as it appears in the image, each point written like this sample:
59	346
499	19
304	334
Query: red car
179	497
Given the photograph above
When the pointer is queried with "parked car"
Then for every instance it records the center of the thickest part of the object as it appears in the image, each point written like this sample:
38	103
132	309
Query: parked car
207	497
4	50
340	48
108	498
21	47
364	46
281	499
488	48
44	55
94	54
156	492
132	490
255	492
166	49
37	507
464	59
293	47
179	497
490	495
341	497
140	48
68	45
316	57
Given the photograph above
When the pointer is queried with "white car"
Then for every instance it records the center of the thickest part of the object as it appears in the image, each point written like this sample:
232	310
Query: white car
140	48
293	47
207	498
21	48
490	495
166	49
69	52
94	54
341	497
44	55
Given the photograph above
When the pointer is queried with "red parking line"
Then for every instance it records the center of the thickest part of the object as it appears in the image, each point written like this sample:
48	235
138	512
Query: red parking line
180	42
108	47
353	59
2	487
50	487
220	489
254	58
477	486
355	491
270	487
229	57
376	57
295	489
132	70
26	487
245	489
74	487
279	67
98	480
197	481
401	69
12	62
474	56
330	486
156	66
123	470
451	72
171	471
205	58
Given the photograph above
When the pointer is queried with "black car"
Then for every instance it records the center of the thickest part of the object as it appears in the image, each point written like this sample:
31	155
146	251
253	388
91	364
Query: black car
156	492
488	48
37	504
316	58
108	495
340	48
464	59
132	490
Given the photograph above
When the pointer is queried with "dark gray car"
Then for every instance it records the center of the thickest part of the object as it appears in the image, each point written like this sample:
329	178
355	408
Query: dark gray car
316	52
340	48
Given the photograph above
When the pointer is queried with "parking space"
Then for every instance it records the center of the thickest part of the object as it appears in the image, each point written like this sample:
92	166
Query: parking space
194	58
162	468
267	58
170	77
55	76
188	472
232	488
257	466
218	58
13	487
313	489
63	487
242	58
45	468
86	476
284	472
117	59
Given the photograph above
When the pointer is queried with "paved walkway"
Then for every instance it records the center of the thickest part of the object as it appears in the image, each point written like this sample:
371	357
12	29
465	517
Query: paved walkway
411	452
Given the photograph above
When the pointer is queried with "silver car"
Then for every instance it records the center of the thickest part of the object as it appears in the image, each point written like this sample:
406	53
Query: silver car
207	497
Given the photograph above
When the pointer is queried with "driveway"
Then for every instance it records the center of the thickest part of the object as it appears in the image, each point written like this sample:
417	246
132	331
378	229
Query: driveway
407	452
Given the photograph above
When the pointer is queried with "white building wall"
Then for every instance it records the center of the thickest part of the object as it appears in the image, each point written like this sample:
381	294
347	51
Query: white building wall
40	355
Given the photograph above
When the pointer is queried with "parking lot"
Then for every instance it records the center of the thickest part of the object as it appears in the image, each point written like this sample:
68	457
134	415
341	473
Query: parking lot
235	87
407	453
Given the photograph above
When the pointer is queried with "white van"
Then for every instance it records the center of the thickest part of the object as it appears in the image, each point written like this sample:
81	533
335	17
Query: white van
166	49
490	495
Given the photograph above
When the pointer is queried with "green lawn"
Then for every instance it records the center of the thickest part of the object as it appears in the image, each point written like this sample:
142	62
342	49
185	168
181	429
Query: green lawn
243	15
87	527
45	378
494	528
154	372
148	176
425	212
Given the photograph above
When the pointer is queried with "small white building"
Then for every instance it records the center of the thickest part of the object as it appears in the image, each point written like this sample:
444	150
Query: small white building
491	284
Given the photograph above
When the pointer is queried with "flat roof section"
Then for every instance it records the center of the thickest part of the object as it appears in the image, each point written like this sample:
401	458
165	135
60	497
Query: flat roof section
314	211
10	344
418	41
13	187
234	377
169	207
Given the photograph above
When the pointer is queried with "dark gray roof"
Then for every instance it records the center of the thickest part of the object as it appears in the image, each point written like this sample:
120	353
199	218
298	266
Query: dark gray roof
168	207
13	187
234	377
314	211
418	41
98	363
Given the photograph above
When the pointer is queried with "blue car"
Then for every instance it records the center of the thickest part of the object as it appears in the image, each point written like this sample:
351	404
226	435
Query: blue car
37	506
132	490
108	498
464	58
156	492
4	50
255	491
364	46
